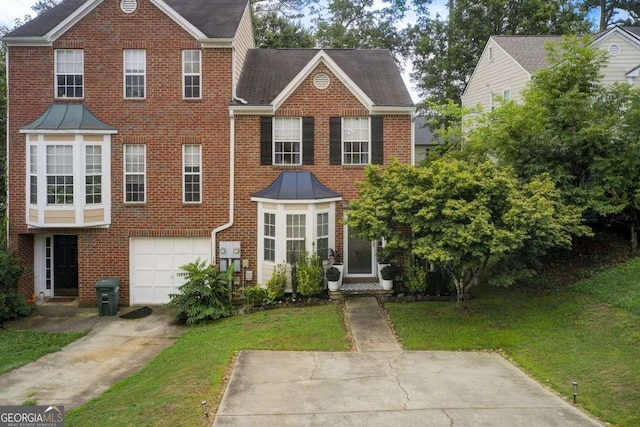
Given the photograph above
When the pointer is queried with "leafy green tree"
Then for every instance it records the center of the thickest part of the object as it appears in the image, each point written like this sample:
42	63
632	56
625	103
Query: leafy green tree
459	214
563	125
273	30
608	10
362	24
445	51
12	304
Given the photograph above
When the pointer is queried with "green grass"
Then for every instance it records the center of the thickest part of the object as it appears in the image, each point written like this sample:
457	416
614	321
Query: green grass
168	391
18	348
588	332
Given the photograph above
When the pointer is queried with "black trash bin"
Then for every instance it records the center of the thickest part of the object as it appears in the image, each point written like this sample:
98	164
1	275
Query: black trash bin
107	291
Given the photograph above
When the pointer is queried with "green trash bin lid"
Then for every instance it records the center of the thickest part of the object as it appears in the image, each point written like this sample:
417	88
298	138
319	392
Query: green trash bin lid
111	282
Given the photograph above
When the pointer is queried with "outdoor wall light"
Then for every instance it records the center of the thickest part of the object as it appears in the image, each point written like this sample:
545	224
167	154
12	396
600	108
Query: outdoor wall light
575	391
205	410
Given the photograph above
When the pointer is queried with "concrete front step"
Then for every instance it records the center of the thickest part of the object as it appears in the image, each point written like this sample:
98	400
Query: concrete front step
360	289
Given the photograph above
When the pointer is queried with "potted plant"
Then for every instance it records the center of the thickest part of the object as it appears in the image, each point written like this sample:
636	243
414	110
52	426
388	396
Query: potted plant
386	277
383	261
334	258
333	278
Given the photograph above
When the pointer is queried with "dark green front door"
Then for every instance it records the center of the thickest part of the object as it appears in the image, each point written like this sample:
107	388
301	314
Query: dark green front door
65	265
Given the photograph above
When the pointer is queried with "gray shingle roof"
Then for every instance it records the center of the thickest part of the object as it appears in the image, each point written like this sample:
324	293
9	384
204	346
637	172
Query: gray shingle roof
267	72
68	117
296	185
424	135
214	18
528	51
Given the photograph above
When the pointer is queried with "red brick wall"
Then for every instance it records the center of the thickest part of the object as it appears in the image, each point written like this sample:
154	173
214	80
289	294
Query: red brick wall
163	121
335	101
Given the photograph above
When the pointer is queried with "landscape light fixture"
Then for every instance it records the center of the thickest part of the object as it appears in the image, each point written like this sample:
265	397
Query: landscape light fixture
575	391
205	411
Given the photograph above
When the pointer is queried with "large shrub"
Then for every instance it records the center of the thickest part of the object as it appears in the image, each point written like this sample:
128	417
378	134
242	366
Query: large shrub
12	304
277	283
310	274
206	295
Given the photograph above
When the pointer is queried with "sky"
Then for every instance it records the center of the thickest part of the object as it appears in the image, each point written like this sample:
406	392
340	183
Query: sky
12	9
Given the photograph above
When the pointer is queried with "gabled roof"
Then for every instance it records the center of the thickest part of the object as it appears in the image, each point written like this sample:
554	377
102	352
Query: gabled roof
216	19
268	72
528	51
68	118
296	185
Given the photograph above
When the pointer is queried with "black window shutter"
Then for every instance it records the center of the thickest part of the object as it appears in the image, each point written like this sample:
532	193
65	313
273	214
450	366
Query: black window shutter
266	140
377	146
307	140
335	141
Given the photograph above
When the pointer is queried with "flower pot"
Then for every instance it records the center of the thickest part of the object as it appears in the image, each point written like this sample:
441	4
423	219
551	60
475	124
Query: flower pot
333	286
380	267
387	285
341	268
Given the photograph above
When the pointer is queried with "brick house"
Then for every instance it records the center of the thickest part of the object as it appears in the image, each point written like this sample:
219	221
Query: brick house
143	134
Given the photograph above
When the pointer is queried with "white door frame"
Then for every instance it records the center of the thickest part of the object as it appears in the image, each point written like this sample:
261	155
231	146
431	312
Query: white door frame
345	240
40	265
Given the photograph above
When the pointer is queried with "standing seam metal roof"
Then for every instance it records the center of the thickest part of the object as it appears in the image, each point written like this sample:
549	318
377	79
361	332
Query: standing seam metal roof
296	185
68	117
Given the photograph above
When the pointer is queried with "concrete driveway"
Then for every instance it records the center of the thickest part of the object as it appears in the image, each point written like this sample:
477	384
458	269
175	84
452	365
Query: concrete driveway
112	350
391	387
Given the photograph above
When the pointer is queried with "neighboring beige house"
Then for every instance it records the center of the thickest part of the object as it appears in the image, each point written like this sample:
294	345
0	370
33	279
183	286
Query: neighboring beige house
508	62
423	139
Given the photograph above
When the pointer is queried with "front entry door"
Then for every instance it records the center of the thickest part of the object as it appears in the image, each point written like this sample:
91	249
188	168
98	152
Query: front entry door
359	259
65	265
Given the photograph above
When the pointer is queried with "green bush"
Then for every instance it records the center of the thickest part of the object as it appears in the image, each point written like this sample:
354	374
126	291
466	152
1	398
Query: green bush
277	283
417	279
12	304
255	296
205	296
310	274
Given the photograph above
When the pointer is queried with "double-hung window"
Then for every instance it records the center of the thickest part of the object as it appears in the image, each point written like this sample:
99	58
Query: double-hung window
192	184
322	236
134	173
59	174
356	140
296	232
33	174
270	237
69	73
287	141
135	71
93	174
191	74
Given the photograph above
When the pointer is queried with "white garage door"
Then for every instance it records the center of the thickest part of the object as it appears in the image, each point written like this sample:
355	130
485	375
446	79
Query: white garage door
154	264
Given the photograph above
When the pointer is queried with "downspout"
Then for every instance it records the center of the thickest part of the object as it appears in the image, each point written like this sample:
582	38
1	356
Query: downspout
413	138
232	162
6	161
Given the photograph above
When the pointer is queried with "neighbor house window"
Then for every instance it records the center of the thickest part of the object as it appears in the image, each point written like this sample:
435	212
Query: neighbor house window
192	173
33	174
69	73
93	174
135	70
134	172
322	236
270	237
296	231
59	174
191	70
355	140
492	101
287	141
506	95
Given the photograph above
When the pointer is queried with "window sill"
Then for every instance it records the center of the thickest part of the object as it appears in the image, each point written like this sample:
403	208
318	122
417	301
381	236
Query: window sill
288	167
66	98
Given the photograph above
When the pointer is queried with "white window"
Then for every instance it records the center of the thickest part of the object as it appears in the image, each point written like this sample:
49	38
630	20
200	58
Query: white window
134	173
59	174
287	141
296	232
322	235
135	70
356	137
192	182
192	74
492	101
33	174
506	95
69	73
270	237
93	174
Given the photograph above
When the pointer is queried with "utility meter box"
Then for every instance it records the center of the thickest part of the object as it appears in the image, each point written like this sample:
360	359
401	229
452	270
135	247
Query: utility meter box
230	254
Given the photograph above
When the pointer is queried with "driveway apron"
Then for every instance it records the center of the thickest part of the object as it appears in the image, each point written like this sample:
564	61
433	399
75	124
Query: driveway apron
380	384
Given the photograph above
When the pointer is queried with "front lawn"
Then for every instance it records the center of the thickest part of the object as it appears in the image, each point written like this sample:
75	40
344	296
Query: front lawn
587	332
18	348
169	390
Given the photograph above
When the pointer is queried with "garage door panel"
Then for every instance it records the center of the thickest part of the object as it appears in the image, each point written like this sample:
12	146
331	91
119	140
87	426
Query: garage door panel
155	265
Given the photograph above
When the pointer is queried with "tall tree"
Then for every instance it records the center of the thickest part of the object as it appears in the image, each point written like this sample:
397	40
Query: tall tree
274	30
608	10
445	51
362	24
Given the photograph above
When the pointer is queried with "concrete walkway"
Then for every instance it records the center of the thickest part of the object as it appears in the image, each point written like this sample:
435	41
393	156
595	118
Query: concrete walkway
111	351
380	384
